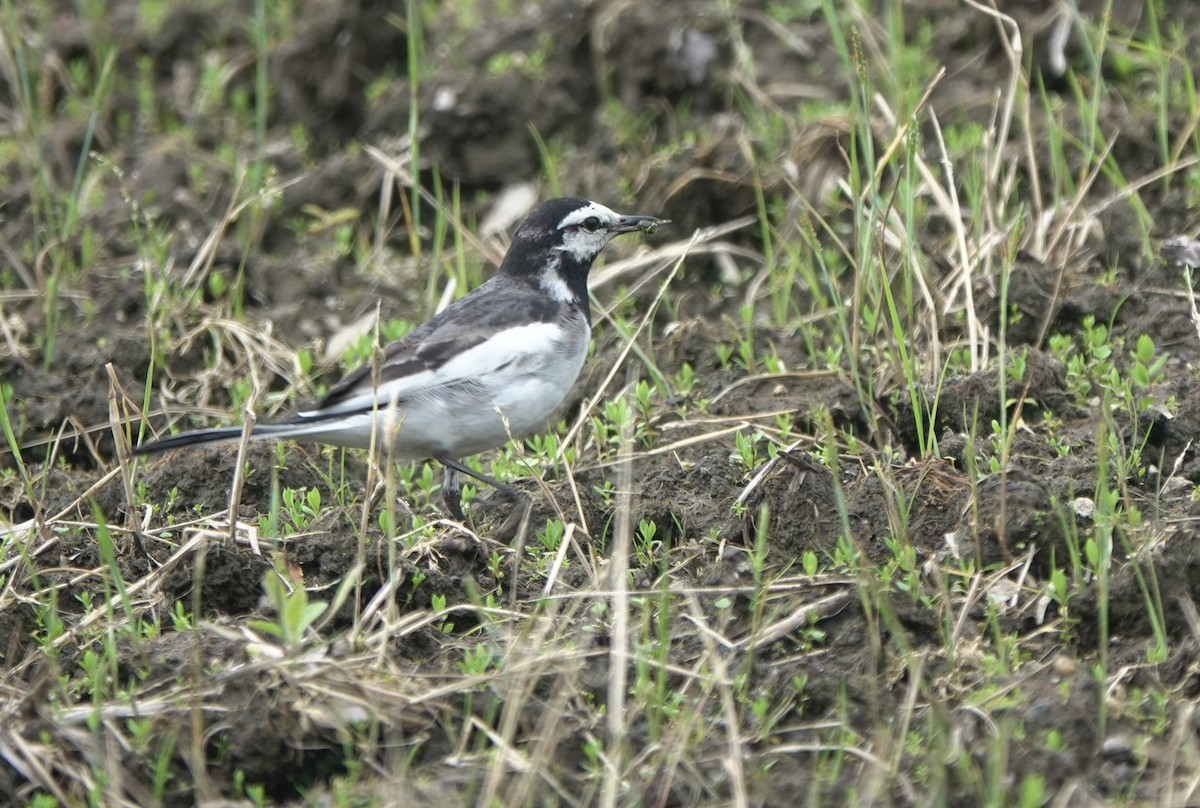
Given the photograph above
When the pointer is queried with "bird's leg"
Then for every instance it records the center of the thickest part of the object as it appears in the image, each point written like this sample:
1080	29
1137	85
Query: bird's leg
452	492
453	468
517	521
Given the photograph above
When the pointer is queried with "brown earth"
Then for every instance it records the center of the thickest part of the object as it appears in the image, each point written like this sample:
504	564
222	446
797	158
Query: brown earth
679	71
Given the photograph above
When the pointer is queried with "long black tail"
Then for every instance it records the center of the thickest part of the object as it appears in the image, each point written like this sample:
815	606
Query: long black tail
216	435
228	433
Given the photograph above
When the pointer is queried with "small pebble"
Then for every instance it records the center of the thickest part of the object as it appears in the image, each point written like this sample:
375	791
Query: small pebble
1117	746
1064	665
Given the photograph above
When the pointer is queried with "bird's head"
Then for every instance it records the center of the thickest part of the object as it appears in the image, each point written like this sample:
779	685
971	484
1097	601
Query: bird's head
560	239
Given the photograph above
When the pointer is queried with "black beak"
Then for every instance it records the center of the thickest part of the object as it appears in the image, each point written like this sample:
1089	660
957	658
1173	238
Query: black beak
647	224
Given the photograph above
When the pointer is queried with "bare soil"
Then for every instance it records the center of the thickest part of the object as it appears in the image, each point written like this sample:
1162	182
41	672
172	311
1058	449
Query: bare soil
257	719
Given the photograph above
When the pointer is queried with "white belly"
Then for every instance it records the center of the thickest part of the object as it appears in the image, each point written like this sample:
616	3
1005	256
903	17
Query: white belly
472	412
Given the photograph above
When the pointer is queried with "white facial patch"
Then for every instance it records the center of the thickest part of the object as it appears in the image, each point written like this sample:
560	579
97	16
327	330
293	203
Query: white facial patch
606	216
578	242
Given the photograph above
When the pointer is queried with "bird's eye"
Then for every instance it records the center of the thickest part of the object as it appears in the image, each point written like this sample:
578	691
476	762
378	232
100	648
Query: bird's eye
591	224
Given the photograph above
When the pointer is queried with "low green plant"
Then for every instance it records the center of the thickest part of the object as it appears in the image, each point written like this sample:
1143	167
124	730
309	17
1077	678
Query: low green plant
437	602
302	506
478	660
551	535
647	549
294	614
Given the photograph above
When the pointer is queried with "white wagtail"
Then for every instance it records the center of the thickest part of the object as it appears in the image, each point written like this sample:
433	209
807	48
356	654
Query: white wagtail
493	366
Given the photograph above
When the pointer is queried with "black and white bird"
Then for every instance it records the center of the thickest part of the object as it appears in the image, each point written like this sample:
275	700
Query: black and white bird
493	366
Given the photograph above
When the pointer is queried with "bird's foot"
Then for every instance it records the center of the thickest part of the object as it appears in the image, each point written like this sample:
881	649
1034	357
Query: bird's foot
502	496
452	494
483	506
517	519
452	500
